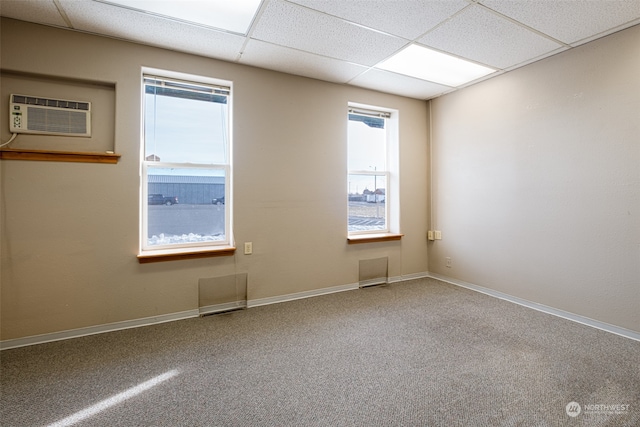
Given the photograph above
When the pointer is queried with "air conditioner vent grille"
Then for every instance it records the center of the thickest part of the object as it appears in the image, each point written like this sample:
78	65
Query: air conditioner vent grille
57	121
48	102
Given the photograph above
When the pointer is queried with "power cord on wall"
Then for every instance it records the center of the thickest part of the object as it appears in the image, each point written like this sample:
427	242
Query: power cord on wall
10	140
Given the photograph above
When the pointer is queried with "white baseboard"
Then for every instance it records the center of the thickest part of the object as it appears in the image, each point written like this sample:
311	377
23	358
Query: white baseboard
219	308
99	329
300	295
396	279
373	282
627	333
411	276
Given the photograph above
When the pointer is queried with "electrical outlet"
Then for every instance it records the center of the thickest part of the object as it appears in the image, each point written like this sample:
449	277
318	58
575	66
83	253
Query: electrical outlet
437	235
248	248
430	235
448	261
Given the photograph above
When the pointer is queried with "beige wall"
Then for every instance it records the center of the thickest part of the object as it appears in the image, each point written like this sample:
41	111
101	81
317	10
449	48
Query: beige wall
536	182
70	230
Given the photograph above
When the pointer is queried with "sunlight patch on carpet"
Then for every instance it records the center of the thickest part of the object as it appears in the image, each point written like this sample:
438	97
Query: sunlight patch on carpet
113	400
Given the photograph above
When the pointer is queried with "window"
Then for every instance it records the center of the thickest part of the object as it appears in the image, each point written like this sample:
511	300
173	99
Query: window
372	170
186	165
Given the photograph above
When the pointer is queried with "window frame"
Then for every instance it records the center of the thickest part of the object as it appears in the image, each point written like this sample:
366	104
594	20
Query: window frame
152	253
391	174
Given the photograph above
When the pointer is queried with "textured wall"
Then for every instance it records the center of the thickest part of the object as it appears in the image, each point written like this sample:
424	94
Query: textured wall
70	231
536	182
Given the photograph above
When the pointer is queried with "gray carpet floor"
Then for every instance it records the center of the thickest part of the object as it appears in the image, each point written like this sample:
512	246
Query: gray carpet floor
418	353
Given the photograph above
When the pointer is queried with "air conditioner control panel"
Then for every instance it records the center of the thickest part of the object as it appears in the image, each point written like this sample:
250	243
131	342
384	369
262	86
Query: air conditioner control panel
15	123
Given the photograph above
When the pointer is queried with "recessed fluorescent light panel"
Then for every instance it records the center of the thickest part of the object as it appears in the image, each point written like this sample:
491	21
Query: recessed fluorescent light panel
426	64
230	15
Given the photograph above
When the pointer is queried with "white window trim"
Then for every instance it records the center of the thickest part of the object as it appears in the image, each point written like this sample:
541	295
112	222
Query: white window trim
392	196
145	251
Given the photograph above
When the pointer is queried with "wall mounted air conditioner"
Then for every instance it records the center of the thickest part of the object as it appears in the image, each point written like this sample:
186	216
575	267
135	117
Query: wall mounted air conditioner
48	116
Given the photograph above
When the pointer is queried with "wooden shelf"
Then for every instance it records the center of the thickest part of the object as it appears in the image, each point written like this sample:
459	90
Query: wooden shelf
176	256
58	156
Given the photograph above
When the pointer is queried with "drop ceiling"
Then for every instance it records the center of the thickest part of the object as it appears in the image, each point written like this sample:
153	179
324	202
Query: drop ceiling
342	41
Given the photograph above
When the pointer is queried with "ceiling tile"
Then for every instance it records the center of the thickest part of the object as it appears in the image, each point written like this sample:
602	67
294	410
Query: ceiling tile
290	25
385	81
42	12
404	18
485	37
273	57
152	30
569	21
